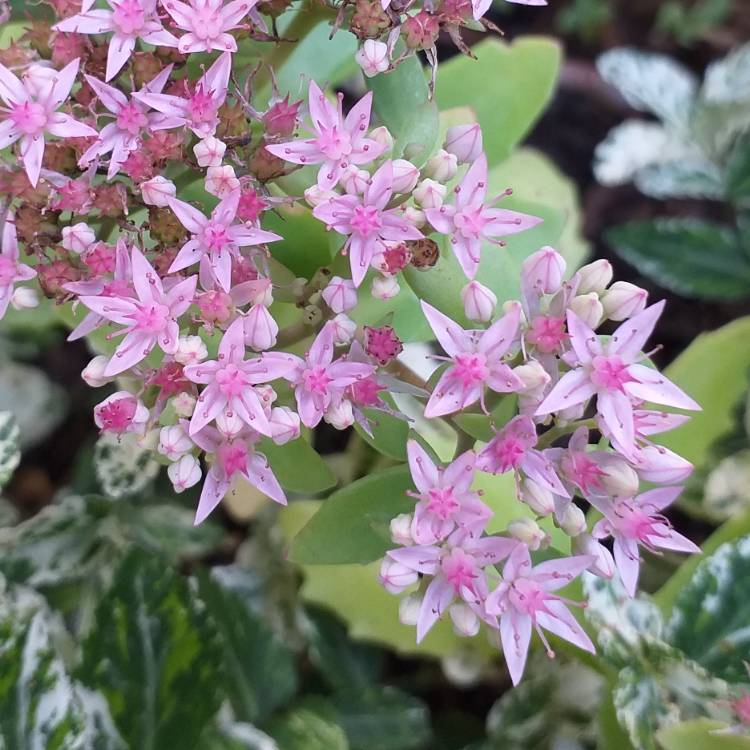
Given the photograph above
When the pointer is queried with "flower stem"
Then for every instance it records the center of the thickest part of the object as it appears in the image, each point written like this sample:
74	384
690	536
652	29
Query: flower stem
554	433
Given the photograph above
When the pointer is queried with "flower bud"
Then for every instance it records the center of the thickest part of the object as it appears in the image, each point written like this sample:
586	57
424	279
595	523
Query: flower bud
382	136
618	478
395	577
543	271
405	176
38	78
429	194
385	287
184	405
315	195
344	329
533	375
354	180
479	302
340	294
408	609
573	521
229	424
465	622
184	473
623	300
78	238
442	167
93	374
266	394
414	216
24	298
221	181
528	531
588	308
149	440
285	425
190	350
173	442
604	564
341	415
260	329
594	277
157	191
464	142
373	57
209	152
538	498
401	529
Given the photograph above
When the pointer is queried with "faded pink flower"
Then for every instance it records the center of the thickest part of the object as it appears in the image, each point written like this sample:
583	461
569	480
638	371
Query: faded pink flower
338	141
469	220
11	270
120	413
130	20
31	111
475	361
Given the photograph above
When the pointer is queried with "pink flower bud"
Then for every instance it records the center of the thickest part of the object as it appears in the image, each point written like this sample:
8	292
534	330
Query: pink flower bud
78	238
221	181
184	405
266	394
343	328
623	300
93	374
528	531
573	521
121	412
401	529
315	195
373	57
190	350
442	167
173	442
619	478
479	302
543	271
429	194
285	425
465	622
408	609
382	136
405	176
533	375
209	152
594	277
157	191
24	298
385	287
354	180
184	473
588	308
341	415
464	142
395	577
538	498
340	294
260	329
382	343
229	424
604	564
415	216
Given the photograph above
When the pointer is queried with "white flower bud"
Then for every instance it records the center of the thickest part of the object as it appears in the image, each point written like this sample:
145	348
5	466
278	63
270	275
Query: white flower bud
442	167
529	532
265	393
408	609
385	287
604	564
401	529
479	301
340	416
414	216
543	271
183	405
221	181
538	498
285	425
429	194
340	294
173	442
260	329
464	142
93	374
382	136
405	176
588	308
623	300
573	521
190	350
78	238
594	277
344	329
229	423
533	375
315	195
354	180
37	79
157	191
184	473
209	152
465	622
396	577
619	478
373	57
24	298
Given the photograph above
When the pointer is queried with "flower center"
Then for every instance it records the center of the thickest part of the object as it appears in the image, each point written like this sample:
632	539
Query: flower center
442	502
231	381
232	457
508	452
207	22
582	470
469	222
334	142
151	317
30	117
131	118
526	596
366	220
366	391
610	373
316	379
470	369
547	333
216	237
129	17
459	569
116	416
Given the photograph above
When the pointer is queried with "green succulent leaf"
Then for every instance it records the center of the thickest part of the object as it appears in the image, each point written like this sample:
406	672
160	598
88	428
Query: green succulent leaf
706	734
298	466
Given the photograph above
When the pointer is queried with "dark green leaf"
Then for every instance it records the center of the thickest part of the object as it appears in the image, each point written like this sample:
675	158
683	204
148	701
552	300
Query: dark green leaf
687	256
297	466
389	433
738	172
304	728
348	528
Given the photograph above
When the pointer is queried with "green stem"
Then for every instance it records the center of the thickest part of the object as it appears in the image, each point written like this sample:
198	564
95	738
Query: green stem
553	434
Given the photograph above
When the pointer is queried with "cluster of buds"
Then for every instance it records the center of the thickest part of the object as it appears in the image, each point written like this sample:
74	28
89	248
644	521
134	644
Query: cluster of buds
116	150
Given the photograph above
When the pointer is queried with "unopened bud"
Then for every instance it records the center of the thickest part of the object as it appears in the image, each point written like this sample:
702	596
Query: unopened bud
184	405
343	328
354	180
479	301
173	442
209	152
395	577
529	532
190	350
78	238
408	609
184	473
603	564
618	478
442	167
382	136
465	622
532	374
229	424
414	216
588	308
405	176
573	521
157	191
260	329
285	425
538	498
373	57
340	294
623	300
93	374
429	194
315	195
24	298
341	415
401	529
385	287
221	181
464	142
594	277
543	271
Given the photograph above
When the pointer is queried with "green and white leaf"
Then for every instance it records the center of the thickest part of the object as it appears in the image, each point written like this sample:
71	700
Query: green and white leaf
123	468
303	728
692	176
727	489
10	453
728	80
